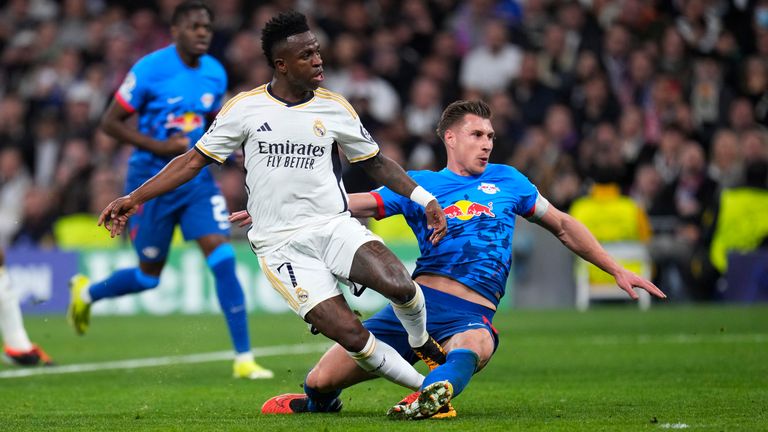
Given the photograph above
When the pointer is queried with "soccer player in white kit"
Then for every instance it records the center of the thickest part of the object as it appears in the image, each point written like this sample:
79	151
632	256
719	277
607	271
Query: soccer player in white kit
17	350
291	132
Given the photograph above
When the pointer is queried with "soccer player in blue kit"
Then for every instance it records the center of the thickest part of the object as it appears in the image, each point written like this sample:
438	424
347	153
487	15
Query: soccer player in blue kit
464	276
173	90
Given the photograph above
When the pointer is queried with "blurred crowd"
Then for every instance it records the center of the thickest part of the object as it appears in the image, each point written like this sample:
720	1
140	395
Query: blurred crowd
666	99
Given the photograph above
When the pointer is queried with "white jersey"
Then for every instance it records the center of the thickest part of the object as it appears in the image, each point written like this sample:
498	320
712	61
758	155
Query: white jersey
293	171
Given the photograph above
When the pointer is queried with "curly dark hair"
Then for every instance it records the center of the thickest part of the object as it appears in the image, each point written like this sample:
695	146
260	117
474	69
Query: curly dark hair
188	6
279	28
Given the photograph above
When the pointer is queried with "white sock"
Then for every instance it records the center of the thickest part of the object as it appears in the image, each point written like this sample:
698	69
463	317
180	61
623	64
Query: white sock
413	316
244	357
11	324
381	359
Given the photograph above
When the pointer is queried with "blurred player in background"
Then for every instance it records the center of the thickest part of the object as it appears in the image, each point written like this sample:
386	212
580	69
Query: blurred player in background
464	276
173	90
17	349
291	131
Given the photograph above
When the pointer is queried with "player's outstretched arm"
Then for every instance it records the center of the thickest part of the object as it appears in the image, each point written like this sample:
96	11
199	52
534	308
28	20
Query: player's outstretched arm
113	122
178	171
362	205
576	237
389	173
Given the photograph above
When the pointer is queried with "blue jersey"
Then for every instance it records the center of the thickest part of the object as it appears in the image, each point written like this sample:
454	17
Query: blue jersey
170	97
480	211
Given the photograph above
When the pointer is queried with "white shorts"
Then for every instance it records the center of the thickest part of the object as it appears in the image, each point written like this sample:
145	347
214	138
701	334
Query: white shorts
304	270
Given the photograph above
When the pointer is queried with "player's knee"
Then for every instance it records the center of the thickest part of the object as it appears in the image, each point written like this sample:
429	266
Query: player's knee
354	338
401	286
319	379
147	281
483	350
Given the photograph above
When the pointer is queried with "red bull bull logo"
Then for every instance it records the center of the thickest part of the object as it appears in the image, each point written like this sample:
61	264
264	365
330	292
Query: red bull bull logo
465	210
185	123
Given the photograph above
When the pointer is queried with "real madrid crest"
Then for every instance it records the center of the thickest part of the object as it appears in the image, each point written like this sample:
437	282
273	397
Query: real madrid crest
302	295
319	128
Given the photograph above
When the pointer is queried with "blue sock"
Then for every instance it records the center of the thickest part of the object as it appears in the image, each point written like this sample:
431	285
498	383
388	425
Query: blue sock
459	366
320	402
126	281
230	294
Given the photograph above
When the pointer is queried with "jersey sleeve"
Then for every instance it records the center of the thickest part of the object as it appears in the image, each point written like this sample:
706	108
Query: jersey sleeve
224	136
133	93
388	203
357	144
528	195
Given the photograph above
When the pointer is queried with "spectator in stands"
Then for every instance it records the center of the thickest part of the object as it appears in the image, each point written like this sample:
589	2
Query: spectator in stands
555	63
754	143
582	32
741	115
531	96
725	164
646	186
72	177
709	96
13	113
424	108
38	217
471	19
606	212
641	73
615	58
672	58
667	96
493	65
43	154
506	125
755	86
598	105
732	231
14	183
680	205
699	25
666	158
631	137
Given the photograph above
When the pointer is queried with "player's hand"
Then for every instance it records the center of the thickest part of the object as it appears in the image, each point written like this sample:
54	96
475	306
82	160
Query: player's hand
436	221
626	280
115	216
241	216
175	145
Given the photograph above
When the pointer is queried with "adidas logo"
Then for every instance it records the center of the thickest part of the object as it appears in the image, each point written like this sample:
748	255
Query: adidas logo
264	128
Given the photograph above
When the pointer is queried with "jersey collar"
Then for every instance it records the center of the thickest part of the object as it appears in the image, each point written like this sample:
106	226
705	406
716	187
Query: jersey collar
452	174
284	102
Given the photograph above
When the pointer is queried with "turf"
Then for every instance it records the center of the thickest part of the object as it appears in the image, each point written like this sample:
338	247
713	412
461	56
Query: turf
613	368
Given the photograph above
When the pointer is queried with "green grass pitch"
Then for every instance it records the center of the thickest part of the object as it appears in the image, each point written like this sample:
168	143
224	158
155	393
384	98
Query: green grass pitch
612	369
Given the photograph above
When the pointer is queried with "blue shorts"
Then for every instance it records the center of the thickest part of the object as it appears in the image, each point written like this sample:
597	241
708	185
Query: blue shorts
447	315
197	207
